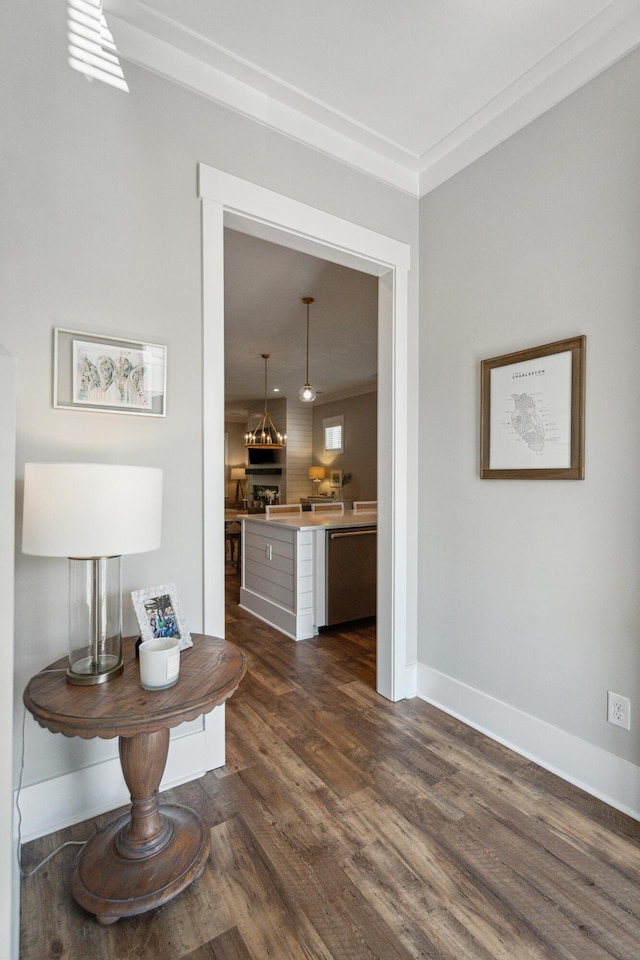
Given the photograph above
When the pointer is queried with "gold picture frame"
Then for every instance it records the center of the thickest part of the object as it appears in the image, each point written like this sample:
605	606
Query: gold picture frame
532	413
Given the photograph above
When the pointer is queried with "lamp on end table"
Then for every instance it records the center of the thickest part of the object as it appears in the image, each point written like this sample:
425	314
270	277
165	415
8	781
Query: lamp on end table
92	513
238	474
316	474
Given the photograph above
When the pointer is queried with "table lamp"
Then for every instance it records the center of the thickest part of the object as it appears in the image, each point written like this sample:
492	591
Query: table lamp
316	474
238	474
92	513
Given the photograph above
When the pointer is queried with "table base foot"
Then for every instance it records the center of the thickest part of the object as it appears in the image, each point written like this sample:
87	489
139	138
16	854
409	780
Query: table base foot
110	886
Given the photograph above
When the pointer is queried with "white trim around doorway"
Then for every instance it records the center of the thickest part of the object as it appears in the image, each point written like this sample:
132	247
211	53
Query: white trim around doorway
228	201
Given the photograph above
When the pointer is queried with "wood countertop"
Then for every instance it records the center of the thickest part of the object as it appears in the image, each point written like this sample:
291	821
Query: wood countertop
210	671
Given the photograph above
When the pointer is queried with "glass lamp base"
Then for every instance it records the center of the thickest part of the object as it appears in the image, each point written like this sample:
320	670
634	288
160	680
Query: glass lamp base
95	620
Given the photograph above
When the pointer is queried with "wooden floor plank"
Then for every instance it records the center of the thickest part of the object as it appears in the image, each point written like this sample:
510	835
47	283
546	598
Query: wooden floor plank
468	917
576	885
252	890
228	946
346	827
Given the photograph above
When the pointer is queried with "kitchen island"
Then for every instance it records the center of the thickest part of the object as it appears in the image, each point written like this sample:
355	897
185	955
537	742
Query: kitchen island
285	572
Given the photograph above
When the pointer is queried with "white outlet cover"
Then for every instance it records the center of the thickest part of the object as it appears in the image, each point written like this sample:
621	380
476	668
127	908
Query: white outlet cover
618	710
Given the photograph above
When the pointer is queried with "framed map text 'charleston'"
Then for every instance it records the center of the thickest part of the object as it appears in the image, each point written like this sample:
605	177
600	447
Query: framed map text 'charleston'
532	413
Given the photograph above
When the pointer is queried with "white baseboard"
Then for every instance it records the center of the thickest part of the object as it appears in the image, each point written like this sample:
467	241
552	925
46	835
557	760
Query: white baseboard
599	773
72	797
411	680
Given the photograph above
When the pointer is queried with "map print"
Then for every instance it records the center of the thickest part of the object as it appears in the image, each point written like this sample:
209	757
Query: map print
526	421
530	419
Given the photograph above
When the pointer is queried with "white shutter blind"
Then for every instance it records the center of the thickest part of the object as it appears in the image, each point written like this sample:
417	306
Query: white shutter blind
91	47
333	439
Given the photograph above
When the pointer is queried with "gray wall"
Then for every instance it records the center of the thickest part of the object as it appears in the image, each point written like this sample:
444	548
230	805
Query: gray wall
528	590
101	232
8	874
360	446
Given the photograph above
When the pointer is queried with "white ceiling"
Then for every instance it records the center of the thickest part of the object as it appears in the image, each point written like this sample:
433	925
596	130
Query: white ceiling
410	91
264	286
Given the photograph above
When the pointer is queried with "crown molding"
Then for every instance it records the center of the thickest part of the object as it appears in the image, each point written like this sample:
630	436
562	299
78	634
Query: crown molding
165	47
316	126
603	41
355	391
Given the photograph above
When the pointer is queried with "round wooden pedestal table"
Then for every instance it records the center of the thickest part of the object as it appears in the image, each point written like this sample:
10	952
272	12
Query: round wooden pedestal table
144	858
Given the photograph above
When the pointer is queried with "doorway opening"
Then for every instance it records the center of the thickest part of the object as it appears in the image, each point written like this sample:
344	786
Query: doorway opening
266	296
228	201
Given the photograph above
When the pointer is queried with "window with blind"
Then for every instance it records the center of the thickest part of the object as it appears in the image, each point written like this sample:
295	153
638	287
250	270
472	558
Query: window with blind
333	434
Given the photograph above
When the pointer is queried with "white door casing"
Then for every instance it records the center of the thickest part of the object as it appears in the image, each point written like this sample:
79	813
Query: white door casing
228	201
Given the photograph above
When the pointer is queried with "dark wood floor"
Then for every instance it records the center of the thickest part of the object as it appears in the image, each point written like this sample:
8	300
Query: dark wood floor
344	826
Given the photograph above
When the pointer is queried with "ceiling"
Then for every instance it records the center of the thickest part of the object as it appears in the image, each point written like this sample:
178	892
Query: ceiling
410	91
264	285
407	91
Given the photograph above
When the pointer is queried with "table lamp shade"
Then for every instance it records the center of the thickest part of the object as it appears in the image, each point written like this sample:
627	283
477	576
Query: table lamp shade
316	473
91	509
92	513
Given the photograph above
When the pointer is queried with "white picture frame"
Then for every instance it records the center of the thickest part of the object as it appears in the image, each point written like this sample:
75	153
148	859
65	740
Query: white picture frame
162	601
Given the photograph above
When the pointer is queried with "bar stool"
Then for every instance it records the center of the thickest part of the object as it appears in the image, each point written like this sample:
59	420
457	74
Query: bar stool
331	507
232	536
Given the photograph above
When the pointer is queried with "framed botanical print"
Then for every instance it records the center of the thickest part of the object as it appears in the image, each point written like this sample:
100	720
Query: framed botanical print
108	374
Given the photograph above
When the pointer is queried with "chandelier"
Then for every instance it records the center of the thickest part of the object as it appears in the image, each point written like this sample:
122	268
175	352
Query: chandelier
266	433
307	393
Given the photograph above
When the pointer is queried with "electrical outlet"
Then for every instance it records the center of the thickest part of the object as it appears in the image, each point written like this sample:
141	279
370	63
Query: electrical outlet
618	710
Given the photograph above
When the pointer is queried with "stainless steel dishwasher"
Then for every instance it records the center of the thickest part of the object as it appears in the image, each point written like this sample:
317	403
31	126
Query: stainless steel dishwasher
351	574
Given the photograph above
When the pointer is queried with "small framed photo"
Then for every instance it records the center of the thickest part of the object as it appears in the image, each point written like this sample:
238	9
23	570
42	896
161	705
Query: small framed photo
335	478
532	413
108	375
159	614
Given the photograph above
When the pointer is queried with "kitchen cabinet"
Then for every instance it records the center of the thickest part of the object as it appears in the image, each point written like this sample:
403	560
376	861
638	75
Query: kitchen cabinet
284	577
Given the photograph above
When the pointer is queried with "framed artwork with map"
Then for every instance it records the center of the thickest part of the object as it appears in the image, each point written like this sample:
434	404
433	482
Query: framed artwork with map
532	413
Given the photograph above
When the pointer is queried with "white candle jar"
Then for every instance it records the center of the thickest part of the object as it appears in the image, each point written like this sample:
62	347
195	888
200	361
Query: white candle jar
159	663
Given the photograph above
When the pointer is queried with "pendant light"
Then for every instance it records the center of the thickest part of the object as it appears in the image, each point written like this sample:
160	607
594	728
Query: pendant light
307	393
266	433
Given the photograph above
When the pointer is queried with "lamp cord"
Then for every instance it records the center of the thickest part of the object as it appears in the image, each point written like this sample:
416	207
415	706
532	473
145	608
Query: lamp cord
68	843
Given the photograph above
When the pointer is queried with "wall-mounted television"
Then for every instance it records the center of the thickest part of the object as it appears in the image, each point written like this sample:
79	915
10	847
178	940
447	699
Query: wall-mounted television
261	455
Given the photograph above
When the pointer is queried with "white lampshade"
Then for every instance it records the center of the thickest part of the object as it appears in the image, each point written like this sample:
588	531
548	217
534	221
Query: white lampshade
238	473
91	509
316	473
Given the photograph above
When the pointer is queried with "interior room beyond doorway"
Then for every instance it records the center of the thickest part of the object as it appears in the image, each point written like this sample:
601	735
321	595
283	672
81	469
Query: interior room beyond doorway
265	289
